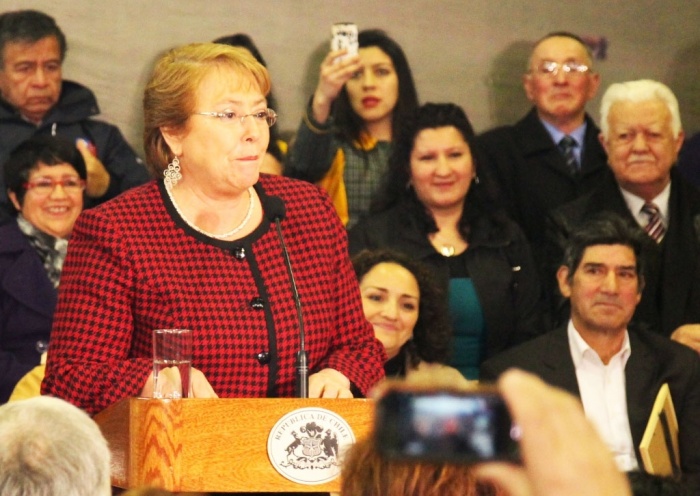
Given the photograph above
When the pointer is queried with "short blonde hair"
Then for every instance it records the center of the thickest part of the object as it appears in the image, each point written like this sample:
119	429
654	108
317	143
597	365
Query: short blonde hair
641	90
170	95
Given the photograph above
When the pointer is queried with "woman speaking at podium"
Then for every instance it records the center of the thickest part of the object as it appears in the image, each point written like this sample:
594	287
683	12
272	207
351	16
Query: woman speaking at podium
200	249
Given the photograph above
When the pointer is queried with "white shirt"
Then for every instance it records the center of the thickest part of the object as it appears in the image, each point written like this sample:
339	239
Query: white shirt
604	396
635	204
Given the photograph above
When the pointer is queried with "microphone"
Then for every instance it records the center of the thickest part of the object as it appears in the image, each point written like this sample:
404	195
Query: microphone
276	211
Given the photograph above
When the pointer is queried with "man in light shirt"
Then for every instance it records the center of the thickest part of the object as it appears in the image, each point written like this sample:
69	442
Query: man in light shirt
616	371
642	133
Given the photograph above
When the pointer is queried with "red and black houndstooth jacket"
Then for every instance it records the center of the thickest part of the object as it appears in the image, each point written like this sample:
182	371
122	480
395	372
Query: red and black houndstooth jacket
133	266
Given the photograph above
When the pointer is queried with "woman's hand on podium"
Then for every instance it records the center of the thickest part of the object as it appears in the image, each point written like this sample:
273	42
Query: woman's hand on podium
329	383
169	380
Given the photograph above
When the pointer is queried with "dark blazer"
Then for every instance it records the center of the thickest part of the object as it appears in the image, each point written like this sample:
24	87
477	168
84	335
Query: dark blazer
531	173
654	360
499	262
671	295
27	303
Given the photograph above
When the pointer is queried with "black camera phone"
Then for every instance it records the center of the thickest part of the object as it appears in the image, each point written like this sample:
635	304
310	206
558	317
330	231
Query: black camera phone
445	426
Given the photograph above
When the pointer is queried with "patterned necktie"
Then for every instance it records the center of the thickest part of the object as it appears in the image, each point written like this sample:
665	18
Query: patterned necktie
655	227
567	145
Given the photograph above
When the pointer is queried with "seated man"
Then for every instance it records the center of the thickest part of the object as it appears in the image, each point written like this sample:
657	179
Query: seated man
617	372
642	133
36	100
51	447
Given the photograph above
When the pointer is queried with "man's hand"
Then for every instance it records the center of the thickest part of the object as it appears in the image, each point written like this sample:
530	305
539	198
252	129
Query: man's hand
689	335
560	449
97	176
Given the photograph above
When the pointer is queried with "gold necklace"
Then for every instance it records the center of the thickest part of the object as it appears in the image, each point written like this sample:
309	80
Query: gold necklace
222	236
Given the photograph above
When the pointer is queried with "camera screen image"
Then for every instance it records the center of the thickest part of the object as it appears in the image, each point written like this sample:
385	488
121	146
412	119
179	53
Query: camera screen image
445	426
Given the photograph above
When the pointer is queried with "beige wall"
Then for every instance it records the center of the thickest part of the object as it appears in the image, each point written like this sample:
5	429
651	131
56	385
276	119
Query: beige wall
467	51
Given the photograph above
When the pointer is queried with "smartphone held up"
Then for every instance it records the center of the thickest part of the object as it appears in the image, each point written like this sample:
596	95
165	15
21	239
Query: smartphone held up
445	426
344	36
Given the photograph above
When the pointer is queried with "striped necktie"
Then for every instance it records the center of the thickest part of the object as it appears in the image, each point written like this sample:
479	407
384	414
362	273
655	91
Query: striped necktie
655	227
567	146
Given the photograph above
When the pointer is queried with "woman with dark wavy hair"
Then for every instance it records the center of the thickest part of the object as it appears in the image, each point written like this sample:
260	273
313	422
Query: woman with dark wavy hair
344	140
408	311
433	207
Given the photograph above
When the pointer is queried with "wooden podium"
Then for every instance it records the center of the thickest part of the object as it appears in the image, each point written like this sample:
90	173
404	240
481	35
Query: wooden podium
210	445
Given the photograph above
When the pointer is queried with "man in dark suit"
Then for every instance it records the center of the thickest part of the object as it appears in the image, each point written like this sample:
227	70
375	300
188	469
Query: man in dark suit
642	133
532	170
616	372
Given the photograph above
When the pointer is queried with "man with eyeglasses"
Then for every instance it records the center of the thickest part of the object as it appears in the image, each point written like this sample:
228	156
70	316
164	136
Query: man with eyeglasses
642	133
552	155
34	99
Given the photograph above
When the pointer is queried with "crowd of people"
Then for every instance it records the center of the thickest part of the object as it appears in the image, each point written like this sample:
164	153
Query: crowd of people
385	240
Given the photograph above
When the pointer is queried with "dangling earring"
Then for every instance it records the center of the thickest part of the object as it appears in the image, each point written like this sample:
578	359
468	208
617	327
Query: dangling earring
476	179
172	173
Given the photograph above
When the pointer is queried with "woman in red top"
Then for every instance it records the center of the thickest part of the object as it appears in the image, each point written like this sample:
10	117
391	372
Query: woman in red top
199	250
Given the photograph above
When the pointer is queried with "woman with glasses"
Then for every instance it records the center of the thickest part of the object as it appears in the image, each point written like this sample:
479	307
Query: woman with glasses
344	140
202	249
45	179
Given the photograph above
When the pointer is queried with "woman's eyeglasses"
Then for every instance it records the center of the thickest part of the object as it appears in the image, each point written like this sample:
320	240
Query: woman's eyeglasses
45	185
267	117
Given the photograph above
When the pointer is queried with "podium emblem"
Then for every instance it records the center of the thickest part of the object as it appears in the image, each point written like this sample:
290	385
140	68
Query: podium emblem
307	445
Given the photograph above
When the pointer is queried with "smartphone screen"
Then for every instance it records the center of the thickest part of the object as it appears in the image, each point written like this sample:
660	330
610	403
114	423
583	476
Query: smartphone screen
445	426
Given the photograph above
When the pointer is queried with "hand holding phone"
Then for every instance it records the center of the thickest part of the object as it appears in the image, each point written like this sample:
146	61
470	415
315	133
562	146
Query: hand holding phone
445	426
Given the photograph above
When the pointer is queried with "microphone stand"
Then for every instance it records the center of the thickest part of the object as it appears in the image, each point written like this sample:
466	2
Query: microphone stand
302	360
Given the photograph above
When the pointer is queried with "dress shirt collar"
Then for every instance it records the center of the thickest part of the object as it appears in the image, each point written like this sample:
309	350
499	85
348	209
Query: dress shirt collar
578	134
580	349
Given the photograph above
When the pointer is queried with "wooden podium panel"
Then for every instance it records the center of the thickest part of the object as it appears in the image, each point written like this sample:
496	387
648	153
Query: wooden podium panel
210	445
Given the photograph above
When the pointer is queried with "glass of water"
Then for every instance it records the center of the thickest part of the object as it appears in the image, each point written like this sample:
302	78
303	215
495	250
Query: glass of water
172	360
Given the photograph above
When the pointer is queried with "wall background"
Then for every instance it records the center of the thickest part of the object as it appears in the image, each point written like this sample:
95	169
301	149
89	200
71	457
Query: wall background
471	52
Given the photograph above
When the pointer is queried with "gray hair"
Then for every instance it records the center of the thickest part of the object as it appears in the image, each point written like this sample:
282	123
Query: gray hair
639	91
51	447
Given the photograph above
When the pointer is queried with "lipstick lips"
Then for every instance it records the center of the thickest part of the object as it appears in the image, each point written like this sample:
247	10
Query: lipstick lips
370	102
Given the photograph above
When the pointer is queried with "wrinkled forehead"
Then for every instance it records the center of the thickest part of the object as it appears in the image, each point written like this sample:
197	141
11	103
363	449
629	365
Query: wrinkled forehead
649	113
560	49
46	48
221	80
618	255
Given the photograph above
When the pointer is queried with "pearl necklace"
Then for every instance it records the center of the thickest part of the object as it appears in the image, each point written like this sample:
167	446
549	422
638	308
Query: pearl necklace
222	236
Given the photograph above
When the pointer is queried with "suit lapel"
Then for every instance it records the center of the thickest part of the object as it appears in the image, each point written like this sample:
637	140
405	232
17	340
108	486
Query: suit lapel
558	362
641	377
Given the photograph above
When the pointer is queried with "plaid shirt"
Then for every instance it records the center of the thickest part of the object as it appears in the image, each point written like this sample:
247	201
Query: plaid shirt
134	266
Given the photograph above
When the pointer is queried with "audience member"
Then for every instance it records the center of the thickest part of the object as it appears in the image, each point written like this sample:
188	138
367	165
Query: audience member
560	450
344	140
276	149
36	100
50	447
199	250
642	133
689	160
45	178
616	372
534	170
432	207
409	314
367	473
